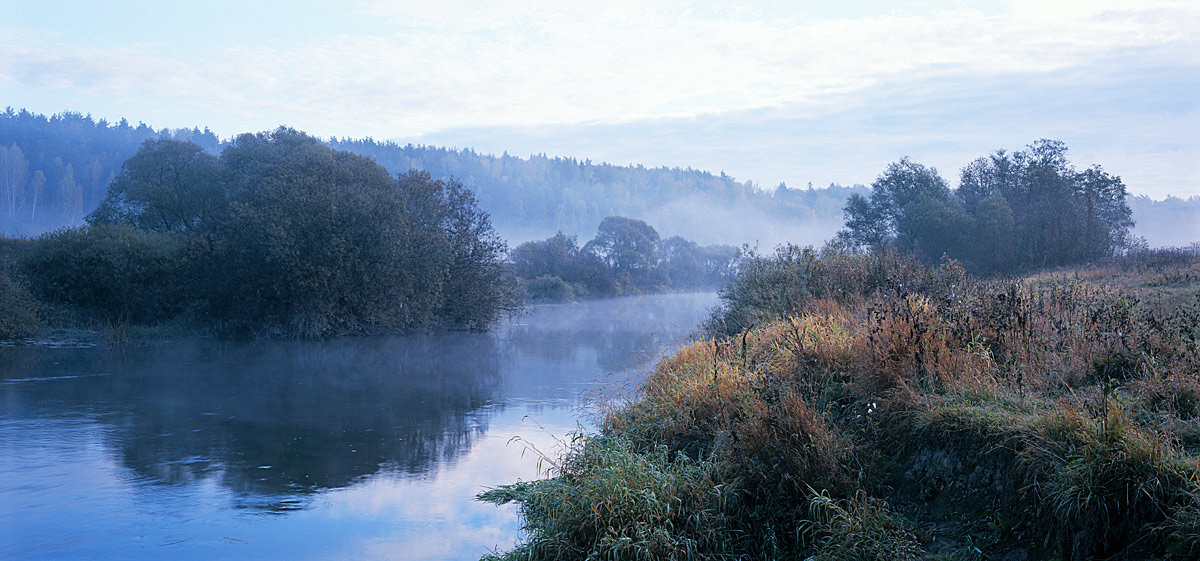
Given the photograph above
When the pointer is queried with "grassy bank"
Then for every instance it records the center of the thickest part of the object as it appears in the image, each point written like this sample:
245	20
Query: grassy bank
924	416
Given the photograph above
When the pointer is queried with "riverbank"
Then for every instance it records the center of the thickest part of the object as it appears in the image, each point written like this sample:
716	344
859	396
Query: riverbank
1057	416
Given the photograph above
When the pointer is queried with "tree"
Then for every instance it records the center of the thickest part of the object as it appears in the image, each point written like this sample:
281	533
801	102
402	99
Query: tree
993	240
630	246
681	263
1108	217
1027	209
318	242
308	246
13	172
867	223
167	186
556	256
911	204
478	288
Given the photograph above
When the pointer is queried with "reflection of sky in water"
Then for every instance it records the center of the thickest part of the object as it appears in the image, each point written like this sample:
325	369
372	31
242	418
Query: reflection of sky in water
349	449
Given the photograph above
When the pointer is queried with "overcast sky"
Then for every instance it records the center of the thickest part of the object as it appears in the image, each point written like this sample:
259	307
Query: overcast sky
776	92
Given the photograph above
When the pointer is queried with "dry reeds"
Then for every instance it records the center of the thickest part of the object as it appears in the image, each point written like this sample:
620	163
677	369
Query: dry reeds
1068	406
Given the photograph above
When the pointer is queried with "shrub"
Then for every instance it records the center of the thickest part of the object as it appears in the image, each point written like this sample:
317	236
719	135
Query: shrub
548	288
18	310
613	501
112	272
1066	404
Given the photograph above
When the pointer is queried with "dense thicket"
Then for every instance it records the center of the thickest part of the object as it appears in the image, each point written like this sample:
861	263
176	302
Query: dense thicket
279	235
1026	210
18	308
627	256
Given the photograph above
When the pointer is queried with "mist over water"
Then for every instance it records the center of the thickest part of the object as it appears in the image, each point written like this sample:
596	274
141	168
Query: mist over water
349	448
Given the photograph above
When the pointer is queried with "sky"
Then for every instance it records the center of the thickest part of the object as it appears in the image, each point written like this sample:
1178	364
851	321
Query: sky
770	91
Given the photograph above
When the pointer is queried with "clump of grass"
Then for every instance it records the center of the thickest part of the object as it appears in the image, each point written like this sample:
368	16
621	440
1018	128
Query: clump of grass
859	529
614	501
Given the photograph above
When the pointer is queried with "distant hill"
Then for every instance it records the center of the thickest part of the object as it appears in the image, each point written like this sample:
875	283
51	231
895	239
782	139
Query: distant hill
55	170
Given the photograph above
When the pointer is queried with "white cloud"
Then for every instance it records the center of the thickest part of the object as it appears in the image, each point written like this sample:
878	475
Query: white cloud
459	64
425	68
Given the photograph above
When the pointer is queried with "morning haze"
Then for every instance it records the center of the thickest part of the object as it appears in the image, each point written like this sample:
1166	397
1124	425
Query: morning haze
654	280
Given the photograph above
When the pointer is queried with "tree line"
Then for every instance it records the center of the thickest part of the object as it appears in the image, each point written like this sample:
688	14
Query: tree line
528	198
279	235
1026	210
535	196
55	170
627	256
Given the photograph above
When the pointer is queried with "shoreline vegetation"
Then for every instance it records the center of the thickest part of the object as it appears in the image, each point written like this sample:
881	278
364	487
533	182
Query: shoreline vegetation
858	405
279	236
626	257
1036	395
1033	394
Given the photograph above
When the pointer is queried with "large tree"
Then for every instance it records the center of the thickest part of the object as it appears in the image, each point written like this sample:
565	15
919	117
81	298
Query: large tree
168	185
909	204
629	246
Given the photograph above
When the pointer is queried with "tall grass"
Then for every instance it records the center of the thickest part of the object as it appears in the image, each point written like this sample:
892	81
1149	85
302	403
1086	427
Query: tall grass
869	423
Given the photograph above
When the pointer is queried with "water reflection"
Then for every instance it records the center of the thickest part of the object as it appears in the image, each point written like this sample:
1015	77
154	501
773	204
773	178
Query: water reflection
267	419
366	448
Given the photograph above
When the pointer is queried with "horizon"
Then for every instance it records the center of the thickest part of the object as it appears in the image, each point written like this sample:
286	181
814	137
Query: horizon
770	93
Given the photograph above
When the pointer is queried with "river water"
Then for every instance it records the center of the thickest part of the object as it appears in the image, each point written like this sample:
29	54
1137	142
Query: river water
363	448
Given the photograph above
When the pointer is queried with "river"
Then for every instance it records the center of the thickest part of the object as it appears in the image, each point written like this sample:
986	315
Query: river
357	448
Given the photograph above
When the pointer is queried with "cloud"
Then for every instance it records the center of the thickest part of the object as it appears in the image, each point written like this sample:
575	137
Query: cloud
458	64
770	94
1137	122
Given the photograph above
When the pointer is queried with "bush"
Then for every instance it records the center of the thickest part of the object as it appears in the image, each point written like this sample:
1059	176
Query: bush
18	310
613	501
547	288
111	272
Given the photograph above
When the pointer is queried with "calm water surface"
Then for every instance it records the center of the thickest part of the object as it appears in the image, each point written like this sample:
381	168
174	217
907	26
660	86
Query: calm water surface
348	449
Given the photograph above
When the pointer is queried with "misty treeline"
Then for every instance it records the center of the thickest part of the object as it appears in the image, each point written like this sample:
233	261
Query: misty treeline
627	256
528	198
55	170
1027	210
538	196
279	235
